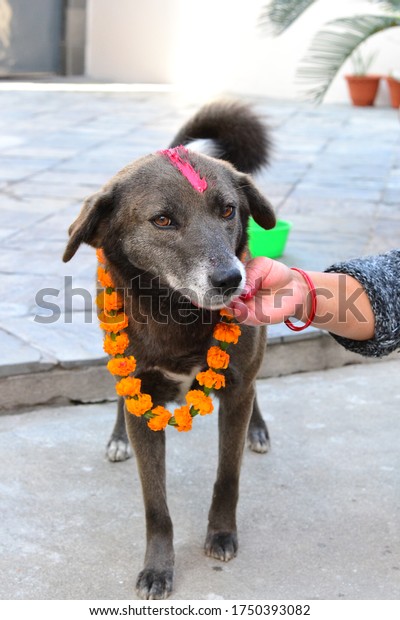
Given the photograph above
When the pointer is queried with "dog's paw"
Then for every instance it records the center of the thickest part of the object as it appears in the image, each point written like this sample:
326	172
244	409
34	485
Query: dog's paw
153	585
258	439
221	545
118	450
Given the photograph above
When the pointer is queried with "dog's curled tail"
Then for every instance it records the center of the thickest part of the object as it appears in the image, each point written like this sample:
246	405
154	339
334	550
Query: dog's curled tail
238	134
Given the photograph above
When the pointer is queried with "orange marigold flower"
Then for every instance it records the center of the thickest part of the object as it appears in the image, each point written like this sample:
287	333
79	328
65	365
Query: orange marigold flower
245	256
183	418
104	278
100	256
100	300
113	301
227	332
130	386
116	346
211	379
122	366
161	420
113	323
109	301
227	313
217	358
200	401
139	404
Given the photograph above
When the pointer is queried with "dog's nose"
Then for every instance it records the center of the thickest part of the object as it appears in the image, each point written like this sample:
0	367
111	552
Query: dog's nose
226	279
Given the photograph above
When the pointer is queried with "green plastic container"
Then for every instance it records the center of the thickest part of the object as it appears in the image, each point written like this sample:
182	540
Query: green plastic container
270	243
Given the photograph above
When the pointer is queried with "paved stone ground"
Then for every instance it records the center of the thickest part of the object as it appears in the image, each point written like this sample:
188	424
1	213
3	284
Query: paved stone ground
335	173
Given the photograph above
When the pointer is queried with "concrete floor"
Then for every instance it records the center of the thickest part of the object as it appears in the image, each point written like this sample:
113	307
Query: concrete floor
318	516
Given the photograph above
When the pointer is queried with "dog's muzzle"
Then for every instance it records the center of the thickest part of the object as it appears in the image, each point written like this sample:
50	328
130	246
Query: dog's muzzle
226	281
213	288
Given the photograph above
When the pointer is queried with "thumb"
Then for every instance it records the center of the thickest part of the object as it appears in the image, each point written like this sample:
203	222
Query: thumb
257	272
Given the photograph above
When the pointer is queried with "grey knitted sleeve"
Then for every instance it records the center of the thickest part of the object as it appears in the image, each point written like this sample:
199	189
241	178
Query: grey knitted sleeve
380	277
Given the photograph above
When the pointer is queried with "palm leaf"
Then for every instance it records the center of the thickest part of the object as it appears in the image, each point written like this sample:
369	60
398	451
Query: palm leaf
389	5
332	46
280	14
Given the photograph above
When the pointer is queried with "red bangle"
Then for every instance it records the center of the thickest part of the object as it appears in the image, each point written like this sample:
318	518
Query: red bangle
313	293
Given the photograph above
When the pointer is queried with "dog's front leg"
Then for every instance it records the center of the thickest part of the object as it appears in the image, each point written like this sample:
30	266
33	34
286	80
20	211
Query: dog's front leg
155	580
234	414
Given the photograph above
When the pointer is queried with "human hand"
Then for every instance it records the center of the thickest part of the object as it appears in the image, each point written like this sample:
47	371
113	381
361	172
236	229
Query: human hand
272	294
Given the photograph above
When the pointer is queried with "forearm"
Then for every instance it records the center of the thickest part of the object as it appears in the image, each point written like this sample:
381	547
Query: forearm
358	300
343	307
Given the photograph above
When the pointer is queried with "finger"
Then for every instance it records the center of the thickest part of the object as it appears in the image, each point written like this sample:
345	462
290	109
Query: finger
257	271
245	312
243	316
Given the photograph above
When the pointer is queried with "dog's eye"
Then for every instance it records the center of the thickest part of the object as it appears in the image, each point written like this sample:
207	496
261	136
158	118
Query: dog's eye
228	212
162	221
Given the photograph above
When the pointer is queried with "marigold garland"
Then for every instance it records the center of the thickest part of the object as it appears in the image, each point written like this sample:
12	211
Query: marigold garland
161	418
109	301
139	404
122	366
115	344
227	332
200	401
217	358
211	380
183	418
129	386
114	321
104	278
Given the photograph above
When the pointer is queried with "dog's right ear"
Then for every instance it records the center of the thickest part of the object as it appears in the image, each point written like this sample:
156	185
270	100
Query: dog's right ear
260	208
90	225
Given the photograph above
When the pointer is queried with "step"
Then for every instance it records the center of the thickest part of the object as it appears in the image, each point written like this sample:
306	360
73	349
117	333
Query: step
44	380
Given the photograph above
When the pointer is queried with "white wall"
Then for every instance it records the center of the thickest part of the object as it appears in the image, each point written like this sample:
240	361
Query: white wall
131	40
214	46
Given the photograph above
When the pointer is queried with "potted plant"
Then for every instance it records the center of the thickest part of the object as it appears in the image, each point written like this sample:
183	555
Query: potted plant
335	43
393	82
362	86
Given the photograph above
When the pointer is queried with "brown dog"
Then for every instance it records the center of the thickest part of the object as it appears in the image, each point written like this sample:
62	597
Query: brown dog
175	248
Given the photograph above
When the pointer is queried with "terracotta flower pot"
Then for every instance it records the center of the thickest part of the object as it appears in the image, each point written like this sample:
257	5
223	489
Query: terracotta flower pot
394	90
363	88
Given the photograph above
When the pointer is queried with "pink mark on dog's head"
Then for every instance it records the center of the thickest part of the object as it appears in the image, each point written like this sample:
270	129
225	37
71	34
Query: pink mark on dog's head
179	158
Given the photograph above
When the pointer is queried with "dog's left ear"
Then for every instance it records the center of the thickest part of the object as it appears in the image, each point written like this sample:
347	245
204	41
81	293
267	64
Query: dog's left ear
260	209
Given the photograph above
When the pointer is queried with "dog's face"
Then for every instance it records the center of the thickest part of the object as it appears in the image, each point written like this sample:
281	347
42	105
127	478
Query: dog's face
154	219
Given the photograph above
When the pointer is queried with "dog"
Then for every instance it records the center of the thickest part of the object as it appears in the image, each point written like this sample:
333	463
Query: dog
176	249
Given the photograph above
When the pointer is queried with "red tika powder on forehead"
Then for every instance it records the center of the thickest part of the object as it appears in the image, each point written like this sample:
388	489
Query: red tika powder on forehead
179	158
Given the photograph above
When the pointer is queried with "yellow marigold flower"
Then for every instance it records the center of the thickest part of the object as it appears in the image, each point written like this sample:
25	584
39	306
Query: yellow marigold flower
116	346
211	379
161	420
130	386
183	418
139	405
227	313
100	256
122	366
227	332
217	358
200	401
104	278
113	323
